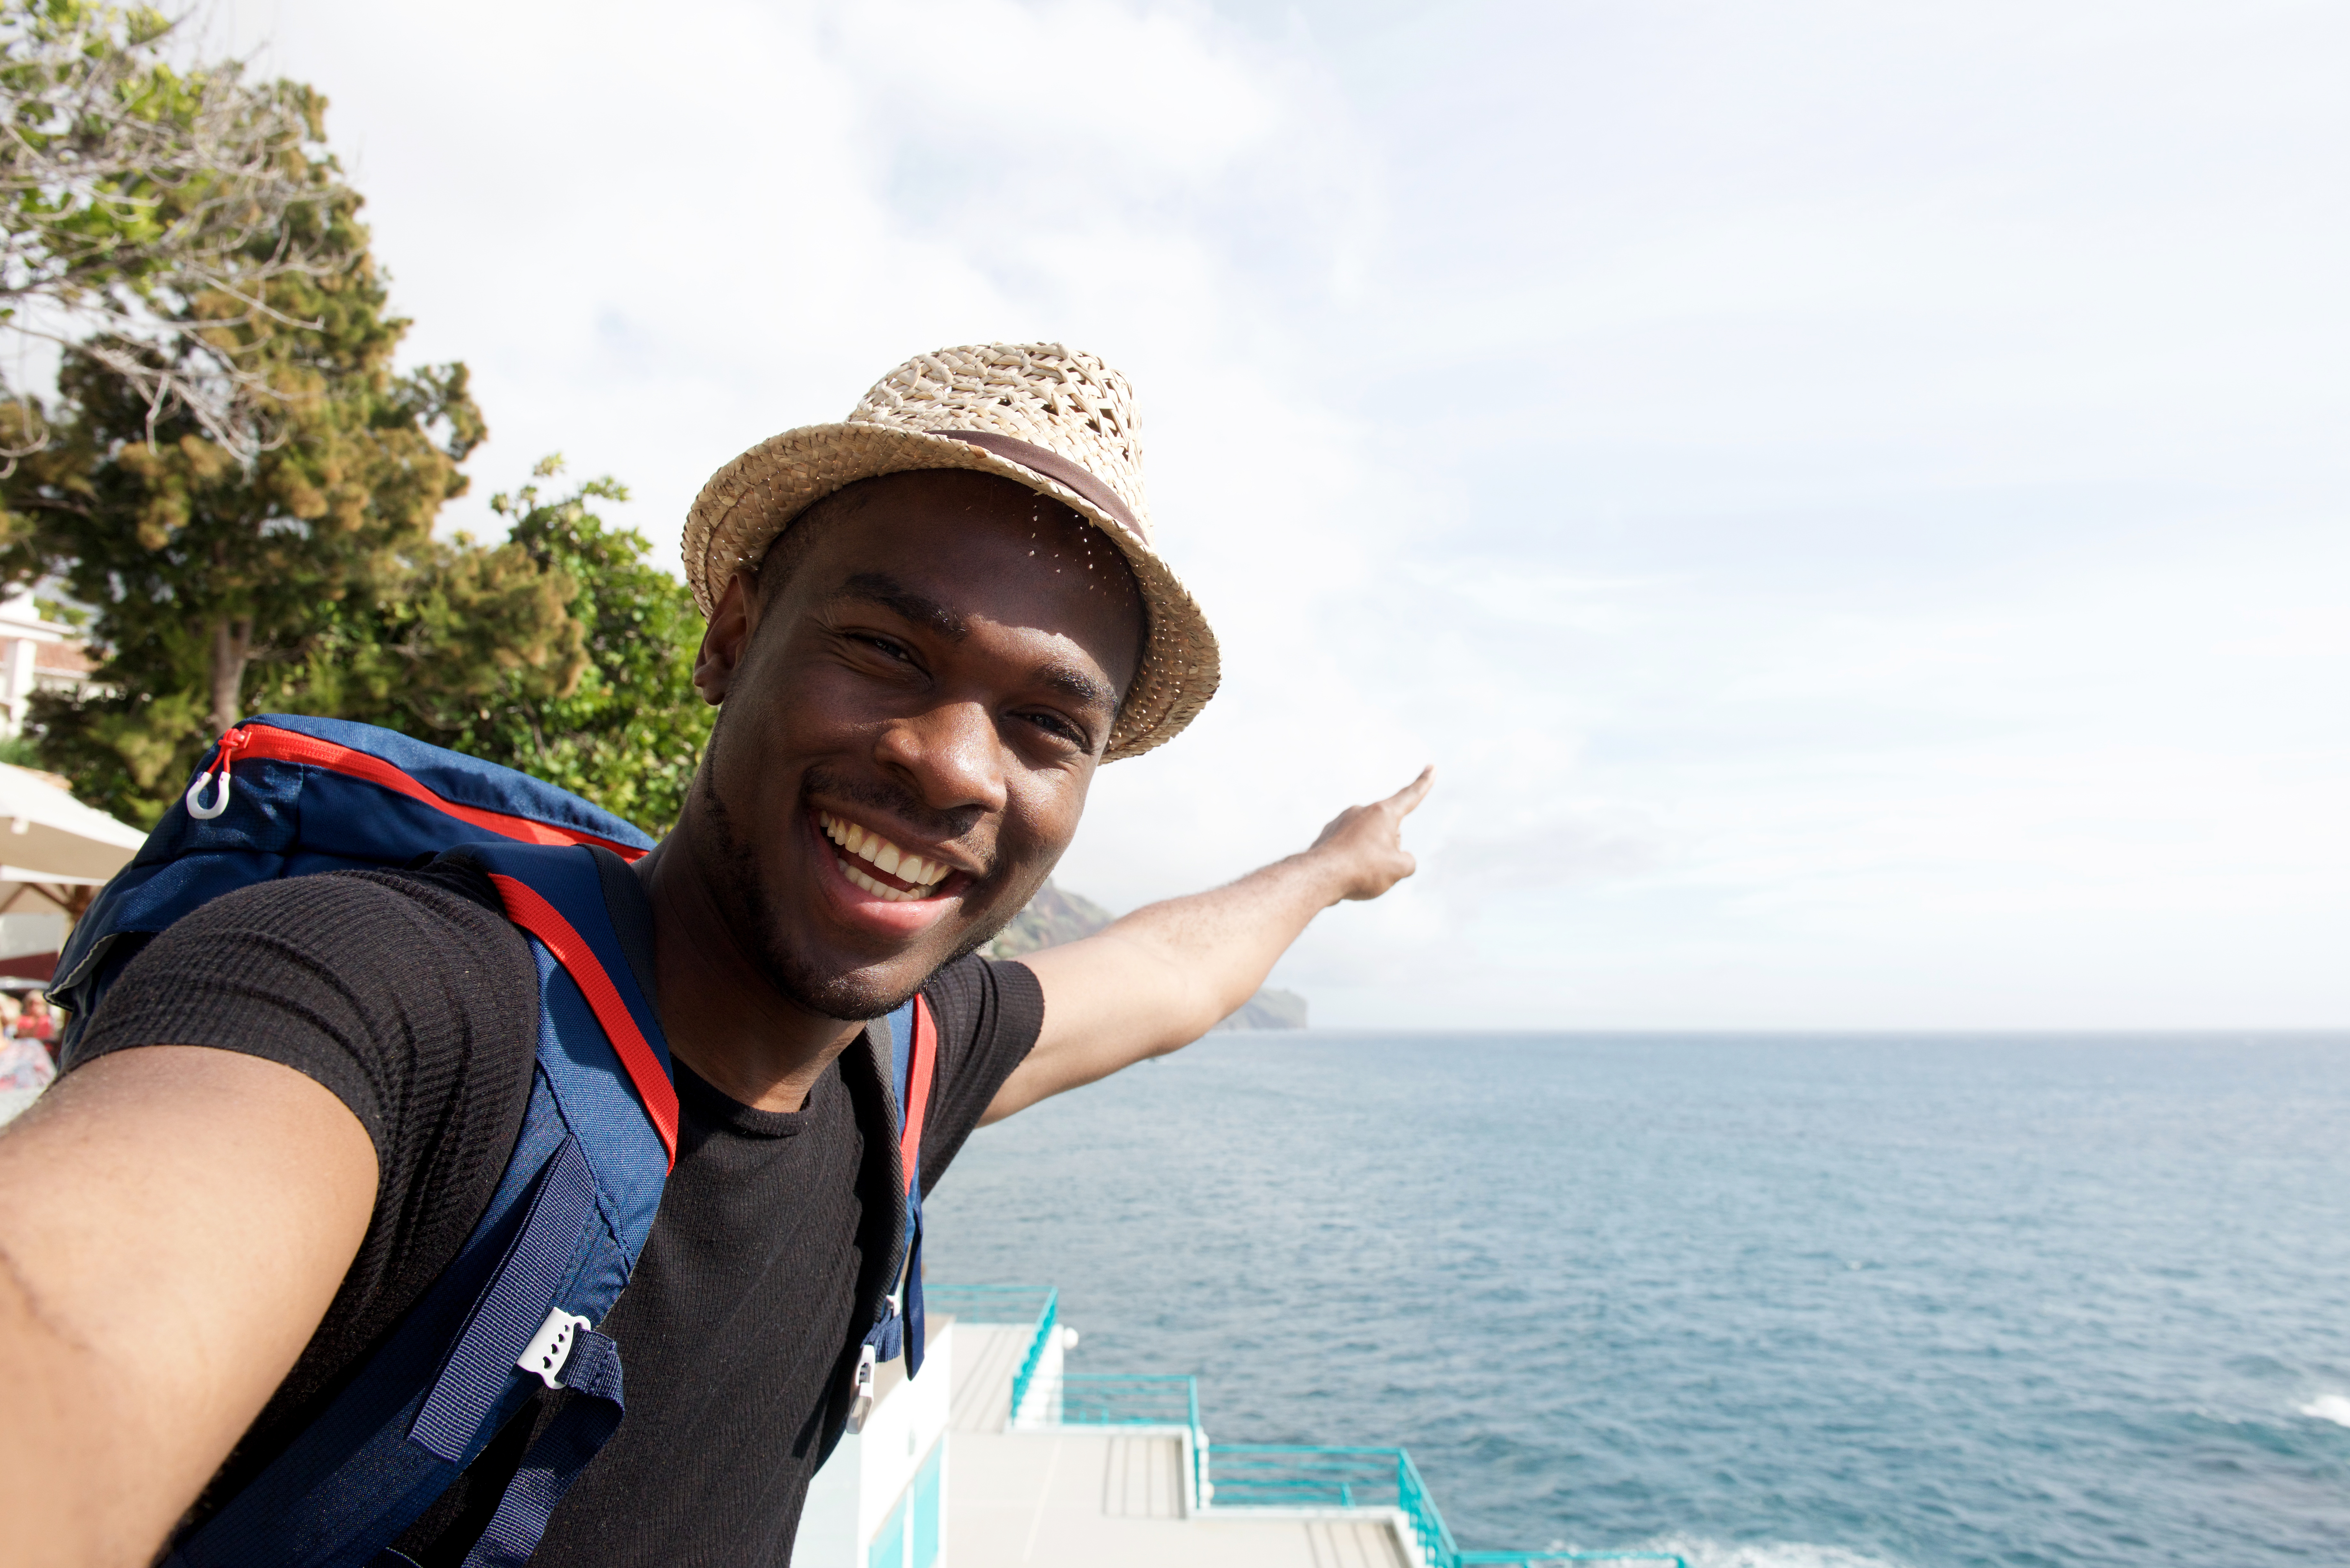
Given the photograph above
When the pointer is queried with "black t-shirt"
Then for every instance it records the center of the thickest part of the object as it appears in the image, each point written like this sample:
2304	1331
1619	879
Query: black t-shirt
412	999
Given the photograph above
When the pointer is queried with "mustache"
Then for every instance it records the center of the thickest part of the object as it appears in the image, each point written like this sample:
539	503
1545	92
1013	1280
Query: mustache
947	826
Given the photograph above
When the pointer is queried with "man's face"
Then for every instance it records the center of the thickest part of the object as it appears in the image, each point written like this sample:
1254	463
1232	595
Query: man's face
911	720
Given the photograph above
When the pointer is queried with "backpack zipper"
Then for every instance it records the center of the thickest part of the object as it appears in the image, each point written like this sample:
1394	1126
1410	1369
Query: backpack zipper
267	741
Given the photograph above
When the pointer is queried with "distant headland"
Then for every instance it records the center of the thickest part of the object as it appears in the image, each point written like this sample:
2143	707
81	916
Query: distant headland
1054	916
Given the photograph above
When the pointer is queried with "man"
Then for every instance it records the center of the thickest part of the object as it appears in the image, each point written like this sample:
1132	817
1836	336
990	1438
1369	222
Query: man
928	627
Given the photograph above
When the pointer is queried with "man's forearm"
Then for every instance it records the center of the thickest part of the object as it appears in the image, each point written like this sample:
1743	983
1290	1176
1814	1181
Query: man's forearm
1170	971
1221	944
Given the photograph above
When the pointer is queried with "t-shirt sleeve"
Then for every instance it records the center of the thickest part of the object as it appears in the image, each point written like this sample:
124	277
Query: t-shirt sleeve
988	1014
374	991
414	1005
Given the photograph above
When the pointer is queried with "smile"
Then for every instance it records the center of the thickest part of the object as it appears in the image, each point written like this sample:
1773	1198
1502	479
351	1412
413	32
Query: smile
873	863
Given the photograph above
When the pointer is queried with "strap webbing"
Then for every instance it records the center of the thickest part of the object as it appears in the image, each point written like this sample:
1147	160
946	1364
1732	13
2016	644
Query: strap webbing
481	1368
534	914
581	1430
925	1057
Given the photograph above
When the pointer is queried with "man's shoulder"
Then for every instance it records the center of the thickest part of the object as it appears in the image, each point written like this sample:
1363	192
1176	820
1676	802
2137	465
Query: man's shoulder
369	961
449	897
989	1014
970	983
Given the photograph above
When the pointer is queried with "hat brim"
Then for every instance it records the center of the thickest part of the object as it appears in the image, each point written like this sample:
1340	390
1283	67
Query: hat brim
748	503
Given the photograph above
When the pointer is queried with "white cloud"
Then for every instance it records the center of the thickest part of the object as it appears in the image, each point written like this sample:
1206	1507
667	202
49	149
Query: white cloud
1851	498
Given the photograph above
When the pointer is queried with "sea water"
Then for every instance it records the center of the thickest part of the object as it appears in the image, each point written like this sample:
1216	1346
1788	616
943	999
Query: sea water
1775	1302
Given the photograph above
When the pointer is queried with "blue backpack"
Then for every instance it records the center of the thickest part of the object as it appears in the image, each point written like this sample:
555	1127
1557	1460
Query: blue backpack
516	1309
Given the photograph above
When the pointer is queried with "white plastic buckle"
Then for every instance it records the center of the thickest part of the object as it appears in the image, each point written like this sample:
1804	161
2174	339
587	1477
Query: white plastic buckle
862	1406
551	1348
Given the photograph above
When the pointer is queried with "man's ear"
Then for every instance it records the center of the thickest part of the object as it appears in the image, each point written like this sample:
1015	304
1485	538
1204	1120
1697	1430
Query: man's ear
727	636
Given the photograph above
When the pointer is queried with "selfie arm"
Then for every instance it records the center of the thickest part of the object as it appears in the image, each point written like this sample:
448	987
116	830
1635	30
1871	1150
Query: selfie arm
174	1221
1166	974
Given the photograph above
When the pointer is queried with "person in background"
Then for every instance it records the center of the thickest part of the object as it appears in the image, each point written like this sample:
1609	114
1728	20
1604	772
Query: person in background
26	1063
36	1021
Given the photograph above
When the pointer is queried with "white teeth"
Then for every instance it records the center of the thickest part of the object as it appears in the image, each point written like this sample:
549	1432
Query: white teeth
860	880
864	843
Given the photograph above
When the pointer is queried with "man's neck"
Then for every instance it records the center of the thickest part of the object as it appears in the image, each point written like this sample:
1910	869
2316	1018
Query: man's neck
723	1020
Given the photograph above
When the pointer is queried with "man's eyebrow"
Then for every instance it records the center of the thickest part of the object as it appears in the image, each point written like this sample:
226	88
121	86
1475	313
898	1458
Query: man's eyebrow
881	588
1073	683
1070	680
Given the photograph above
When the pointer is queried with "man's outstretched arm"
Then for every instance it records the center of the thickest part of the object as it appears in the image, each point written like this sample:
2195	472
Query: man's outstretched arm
1170	971
174	1221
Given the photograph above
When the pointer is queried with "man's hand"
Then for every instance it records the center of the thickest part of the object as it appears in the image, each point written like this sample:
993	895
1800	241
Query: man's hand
1170	972
1364	844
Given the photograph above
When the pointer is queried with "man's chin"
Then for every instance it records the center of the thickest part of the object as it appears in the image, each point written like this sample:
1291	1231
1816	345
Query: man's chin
853	996
857	993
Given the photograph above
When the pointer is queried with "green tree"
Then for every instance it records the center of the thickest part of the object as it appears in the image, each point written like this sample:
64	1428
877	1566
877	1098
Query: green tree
467	657
203	558
239	484
144	209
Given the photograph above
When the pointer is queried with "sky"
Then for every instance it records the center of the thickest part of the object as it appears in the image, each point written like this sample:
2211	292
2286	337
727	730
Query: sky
1850	497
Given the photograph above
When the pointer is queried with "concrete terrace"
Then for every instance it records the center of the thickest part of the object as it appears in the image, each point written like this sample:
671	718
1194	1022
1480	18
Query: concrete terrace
1080	1497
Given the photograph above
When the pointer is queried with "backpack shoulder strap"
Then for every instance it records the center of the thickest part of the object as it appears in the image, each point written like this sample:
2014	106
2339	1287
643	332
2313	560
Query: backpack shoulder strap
516	1310
913	1062
560	900
913	1059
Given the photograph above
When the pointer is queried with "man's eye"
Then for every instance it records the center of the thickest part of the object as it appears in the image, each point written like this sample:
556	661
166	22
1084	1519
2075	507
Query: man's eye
883	646
1054	724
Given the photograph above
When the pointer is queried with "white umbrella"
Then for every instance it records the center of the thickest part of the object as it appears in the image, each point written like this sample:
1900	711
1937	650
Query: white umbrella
47	837
55	850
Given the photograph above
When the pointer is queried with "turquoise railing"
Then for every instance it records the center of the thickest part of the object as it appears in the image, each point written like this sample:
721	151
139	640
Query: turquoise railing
1426	1524
1047	1325
1291	1475
1133	1399
1234	1475
1039	1305
988	1303
1123	1399
1285	1475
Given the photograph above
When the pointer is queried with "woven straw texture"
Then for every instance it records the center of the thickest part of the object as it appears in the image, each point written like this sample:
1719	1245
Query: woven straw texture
1067	403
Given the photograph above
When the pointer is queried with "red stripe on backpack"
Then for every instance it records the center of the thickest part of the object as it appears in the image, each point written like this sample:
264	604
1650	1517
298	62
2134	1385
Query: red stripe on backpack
541	919
918	1088
267	741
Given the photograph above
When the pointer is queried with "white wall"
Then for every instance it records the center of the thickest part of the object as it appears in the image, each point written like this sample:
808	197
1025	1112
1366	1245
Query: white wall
853	1493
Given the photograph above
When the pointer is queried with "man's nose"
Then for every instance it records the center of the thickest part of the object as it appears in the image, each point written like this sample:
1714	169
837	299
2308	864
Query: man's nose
951	755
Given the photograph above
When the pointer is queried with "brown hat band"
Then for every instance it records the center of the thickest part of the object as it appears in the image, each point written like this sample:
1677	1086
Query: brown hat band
1053	466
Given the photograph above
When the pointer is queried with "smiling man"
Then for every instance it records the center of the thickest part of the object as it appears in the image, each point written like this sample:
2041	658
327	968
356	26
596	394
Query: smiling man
929	625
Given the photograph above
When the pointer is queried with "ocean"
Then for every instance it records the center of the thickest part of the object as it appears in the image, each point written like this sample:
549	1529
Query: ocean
1771	1301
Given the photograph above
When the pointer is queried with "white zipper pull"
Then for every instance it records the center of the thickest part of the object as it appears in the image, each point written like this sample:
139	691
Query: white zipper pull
231	742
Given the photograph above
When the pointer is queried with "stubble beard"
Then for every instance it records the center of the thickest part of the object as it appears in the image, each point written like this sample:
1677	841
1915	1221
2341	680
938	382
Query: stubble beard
743	901
733	869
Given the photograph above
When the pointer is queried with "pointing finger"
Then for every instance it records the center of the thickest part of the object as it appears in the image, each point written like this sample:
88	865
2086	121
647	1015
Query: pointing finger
1407	800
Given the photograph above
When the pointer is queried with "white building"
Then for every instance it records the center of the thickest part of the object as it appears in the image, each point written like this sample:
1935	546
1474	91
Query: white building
999	1456
35	655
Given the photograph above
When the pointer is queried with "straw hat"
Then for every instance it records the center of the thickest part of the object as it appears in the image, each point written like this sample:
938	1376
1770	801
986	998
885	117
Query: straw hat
1059	421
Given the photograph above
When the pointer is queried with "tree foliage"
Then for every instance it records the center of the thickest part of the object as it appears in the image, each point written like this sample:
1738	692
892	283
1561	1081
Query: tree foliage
199	563
239	484
601	702
148	211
